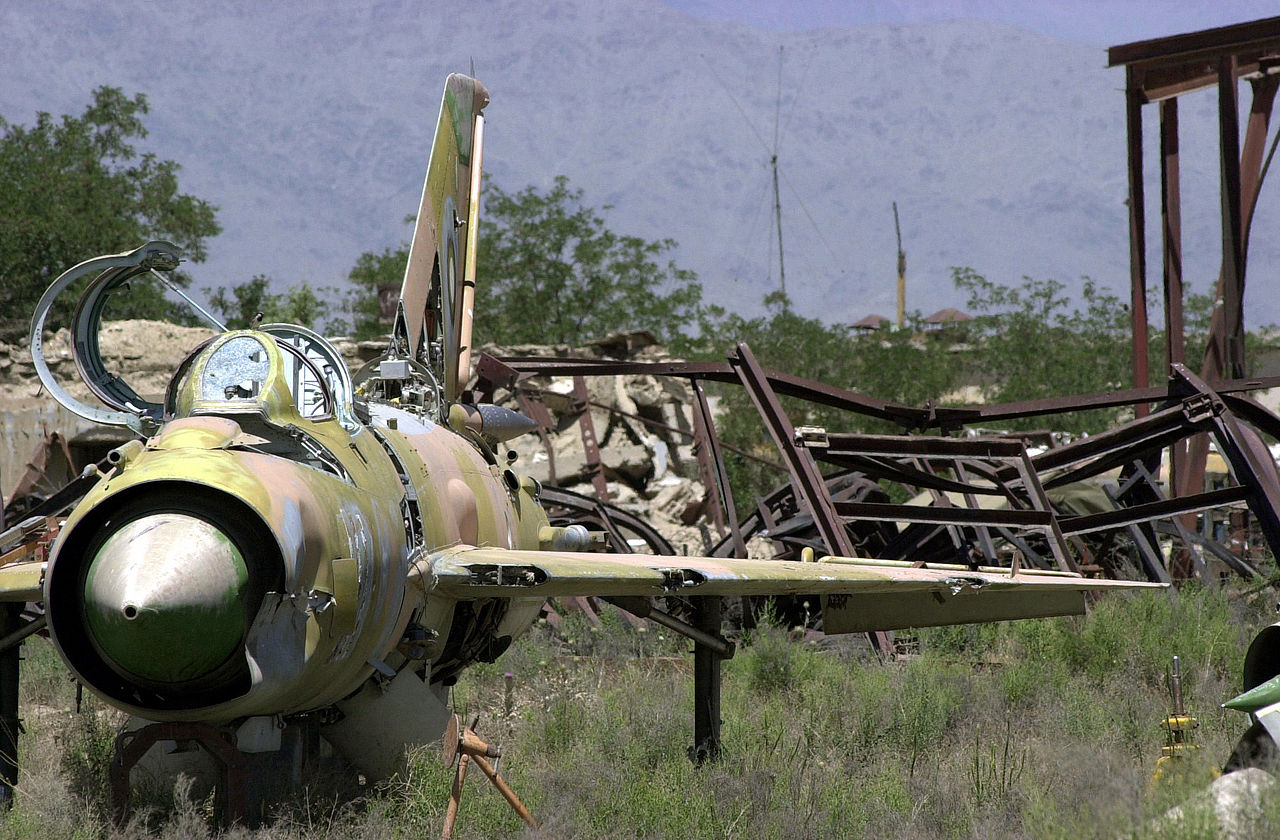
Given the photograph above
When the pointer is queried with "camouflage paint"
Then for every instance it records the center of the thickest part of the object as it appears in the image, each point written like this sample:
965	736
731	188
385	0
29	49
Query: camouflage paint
444	204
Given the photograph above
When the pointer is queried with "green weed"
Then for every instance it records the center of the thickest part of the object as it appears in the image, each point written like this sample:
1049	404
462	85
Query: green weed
775	662
1042	729
996	769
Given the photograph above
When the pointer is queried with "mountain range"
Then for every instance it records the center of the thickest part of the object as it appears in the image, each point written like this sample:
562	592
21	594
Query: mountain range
308	125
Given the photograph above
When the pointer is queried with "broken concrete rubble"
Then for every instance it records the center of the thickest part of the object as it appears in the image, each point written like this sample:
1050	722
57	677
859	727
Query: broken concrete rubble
680	497
144	353
643	426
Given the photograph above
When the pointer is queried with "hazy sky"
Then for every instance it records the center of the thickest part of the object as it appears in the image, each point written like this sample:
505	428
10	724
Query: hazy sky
1100	22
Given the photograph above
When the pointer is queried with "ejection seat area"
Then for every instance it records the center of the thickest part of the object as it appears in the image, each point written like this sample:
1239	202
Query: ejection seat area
283	372
316	372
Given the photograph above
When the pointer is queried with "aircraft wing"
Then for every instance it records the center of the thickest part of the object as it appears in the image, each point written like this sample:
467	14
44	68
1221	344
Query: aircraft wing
22	582
23	552
858	595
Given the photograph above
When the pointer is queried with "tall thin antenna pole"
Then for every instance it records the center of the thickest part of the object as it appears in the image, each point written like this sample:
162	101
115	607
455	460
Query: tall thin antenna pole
773	161
777	214
902	272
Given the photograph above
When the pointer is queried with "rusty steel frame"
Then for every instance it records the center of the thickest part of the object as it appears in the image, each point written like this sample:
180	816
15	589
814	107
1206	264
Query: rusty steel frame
538	412
711	468
974	467
846	512
805	477
131	746
811	488
1159	71
590	446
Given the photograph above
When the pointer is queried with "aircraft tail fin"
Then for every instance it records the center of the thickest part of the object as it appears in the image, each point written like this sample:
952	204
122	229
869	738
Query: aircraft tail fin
433	319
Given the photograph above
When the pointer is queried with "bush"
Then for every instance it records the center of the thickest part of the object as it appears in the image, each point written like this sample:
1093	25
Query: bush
775	662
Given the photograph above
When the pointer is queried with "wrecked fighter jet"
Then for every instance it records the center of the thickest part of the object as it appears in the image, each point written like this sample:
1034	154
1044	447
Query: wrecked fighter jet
302	556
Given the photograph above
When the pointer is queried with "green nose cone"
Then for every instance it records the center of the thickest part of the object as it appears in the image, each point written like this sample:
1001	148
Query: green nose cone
163	598
1258	697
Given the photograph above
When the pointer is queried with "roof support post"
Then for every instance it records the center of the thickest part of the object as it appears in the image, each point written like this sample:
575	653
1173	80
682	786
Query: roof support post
1175	340
1171	215
1252	166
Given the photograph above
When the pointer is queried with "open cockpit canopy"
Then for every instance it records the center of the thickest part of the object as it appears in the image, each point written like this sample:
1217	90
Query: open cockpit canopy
283	372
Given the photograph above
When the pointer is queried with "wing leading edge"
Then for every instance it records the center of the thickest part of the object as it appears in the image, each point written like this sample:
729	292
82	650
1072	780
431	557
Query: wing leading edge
858	595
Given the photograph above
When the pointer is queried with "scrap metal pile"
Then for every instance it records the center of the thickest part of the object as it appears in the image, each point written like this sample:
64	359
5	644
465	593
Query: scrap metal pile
1096	505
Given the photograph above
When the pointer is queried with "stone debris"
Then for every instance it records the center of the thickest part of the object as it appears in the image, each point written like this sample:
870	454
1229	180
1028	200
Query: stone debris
681	498
1234	804
650	469
142	353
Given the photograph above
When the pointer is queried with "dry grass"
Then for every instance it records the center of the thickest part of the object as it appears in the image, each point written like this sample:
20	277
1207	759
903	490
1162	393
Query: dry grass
1046	729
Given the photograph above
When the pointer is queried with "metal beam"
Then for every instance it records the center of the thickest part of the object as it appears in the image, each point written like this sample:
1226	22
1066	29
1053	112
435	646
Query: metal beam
590	446
10	666
1168	67
1234	38
1134	514
706	683
1252	169
812	489
1250	462
711	462
810	486
1232	347
1171	216
1137	242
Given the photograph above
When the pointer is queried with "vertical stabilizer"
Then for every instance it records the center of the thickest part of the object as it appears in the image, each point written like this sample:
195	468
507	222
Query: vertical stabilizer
432	324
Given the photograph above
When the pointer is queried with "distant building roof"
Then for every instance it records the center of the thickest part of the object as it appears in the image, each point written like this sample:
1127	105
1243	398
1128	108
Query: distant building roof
871	322
948	316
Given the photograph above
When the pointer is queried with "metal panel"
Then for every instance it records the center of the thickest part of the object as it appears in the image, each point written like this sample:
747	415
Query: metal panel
853	614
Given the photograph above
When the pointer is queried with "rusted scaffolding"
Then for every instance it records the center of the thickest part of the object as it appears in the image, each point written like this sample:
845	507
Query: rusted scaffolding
1158	72
845	511
1094	506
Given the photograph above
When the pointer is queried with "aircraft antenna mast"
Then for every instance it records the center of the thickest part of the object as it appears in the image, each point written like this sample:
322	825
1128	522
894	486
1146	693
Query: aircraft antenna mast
902	270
